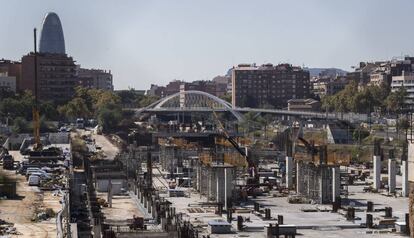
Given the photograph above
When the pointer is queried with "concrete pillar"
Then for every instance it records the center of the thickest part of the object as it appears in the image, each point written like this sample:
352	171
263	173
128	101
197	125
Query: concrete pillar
336	183
299	183
404	170
218	185
391	175
377	172
225	189
289	172
199	178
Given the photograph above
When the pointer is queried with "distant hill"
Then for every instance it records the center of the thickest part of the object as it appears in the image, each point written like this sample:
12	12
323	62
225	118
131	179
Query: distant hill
327	71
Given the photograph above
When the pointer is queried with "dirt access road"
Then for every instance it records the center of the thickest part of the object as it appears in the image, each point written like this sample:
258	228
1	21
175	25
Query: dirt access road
20	211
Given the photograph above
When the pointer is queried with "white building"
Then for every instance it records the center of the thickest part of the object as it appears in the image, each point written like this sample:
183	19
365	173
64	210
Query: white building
406	80
7	82
96	79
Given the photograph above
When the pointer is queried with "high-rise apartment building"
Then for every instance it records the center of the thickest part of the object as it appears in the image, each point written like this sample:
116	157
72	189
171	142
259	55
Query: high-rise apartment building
268	85
56	73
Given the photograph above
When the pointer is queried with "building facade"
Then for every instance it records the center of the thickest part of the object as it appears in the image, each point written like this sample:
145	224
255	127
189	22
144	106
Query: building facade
7	83
95	79
406	81
56	74
268	86
12	69
327	87
51	36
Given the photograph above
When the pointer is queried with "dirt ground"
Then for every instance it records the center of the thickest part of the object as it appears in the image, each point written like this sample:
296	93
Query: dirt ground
123	207
20	211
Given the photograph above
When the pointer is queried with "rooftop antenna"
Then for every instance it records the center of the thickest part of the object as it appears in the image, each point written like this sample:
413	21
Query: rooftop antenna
36	120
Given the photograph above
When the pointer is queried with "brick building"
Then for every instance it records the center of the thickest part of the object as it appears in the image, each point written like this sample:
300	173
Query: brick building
56	76
268	85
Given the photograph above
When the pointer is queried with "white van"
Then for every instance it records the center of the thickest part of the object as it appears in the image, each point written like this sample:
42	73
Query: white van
34	180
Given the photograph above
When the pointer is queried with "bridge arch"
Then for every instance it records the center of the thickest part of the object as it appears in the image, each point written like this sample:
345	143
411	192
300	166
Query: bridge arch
196	100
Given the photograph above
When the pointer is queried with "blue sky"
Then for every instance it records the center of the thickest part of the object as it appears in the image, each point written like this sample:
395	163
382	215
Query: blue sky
155	41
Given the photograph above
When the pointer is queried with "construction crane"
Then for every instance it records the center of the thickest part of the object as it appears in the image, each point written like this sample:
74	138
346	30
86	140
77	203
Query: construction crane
251	165
36	118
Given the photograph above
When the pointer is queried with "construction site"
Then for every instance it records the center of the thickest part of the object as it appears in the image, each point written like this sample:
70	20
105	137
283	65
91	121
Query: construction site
208	175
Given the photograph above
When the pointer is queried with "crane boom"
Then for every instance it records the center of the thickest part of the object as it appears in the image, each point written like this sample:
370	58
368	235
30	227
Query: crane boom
36	117
251	164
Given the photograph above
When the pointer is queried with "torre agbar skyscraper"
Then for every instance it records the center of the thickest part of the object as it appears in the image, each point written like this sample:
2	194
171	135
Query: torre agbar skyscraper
51	37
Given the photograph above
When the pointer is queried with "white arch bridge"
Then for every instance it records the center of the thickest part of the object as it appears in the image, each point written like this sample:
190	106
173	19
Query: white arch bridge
198	101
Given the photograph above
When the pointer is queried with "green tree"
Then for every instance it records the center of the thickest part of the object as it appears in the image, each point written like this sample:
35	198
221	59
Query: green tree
109	117
20	125
76	108
147	100
395	100
226	97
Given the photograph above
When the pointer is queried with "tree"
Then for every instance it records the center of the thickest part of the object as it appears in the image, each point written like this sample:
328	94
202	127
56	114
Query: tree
395	100
226	97
20	125
76	108
360	134
109	116
147	100
49	111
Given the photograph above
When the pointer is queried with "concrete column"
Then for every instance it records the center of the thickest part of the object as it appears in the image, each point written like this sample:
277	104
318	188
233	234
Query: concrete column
404	170
218	185
289	172
391	175
225	189
377	172
336	183
299	183
198	178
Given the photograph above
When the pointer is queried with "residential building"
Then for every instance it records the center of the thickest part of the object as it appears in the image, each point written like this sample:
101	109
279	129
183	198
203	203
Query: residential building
379	78
156	90
268	85
56	75
95	79
223	84
216	88
7	83
328	86
406	81
362	74
172	87
12	69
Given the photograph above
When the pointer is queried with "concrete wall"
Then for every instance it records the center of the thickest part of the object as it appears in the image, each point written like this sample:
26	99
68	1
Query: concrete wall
102	185
315	182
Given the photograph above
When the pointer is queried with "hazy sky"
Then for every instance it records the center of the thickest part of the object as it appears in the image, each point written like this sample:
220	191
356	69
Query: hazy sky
152	41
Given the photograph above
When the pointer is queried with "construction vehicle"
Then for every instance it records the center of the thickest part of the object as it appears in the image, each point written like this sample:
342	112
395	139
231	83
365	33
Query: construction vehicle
253	180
